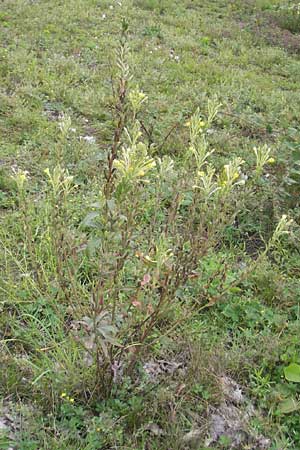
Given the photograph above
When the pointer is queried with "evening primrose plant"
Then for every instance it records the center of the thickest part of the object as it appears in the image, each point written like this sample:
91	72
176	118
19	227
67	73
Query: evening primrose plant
172	242
119	263
160	251
207	182
136	99
231	175
143	242
263	157
198	126
134	164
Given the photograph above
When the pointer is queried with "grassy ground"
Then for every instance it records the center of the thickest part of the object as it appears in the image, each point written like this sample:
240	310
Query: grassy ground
57	70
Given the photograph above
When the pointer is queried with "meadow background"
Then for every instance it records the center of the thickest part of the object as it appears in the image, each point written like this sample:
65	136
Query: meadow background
149	207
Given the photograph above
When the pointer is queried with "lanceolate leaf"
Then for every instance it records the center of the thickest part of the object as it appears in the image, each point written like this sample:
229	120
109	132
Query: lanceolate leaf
91	219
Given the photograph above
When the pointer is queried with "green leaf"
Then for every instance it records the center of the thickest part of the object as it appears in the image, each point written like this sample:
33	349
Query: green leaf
292	373
235	290
93	245
288	405
90	219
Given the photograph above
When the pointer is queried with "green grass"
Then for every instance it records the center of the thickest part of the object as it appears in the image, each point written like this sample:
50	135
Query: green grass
57	60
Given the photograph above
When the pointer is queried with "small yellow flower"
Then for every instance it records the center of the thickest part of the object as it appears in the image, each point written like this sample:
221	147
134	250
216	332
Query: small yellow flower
271	160
97	429
71	400
187	124
63	395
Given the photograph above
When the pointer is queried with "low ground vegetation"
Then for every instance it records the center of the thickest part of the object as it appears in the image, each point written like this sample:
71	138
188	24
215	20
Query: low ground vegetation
149	201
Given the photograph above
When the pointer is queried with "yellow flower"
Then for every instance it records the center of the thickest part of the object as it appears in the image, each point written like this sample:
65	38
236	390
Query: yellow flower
187	124
71	400
98	429
271	160
63	394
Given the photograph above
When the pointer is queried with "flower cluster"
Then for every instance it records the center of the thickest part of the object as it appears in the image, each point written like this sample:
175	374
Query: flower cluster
65	397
